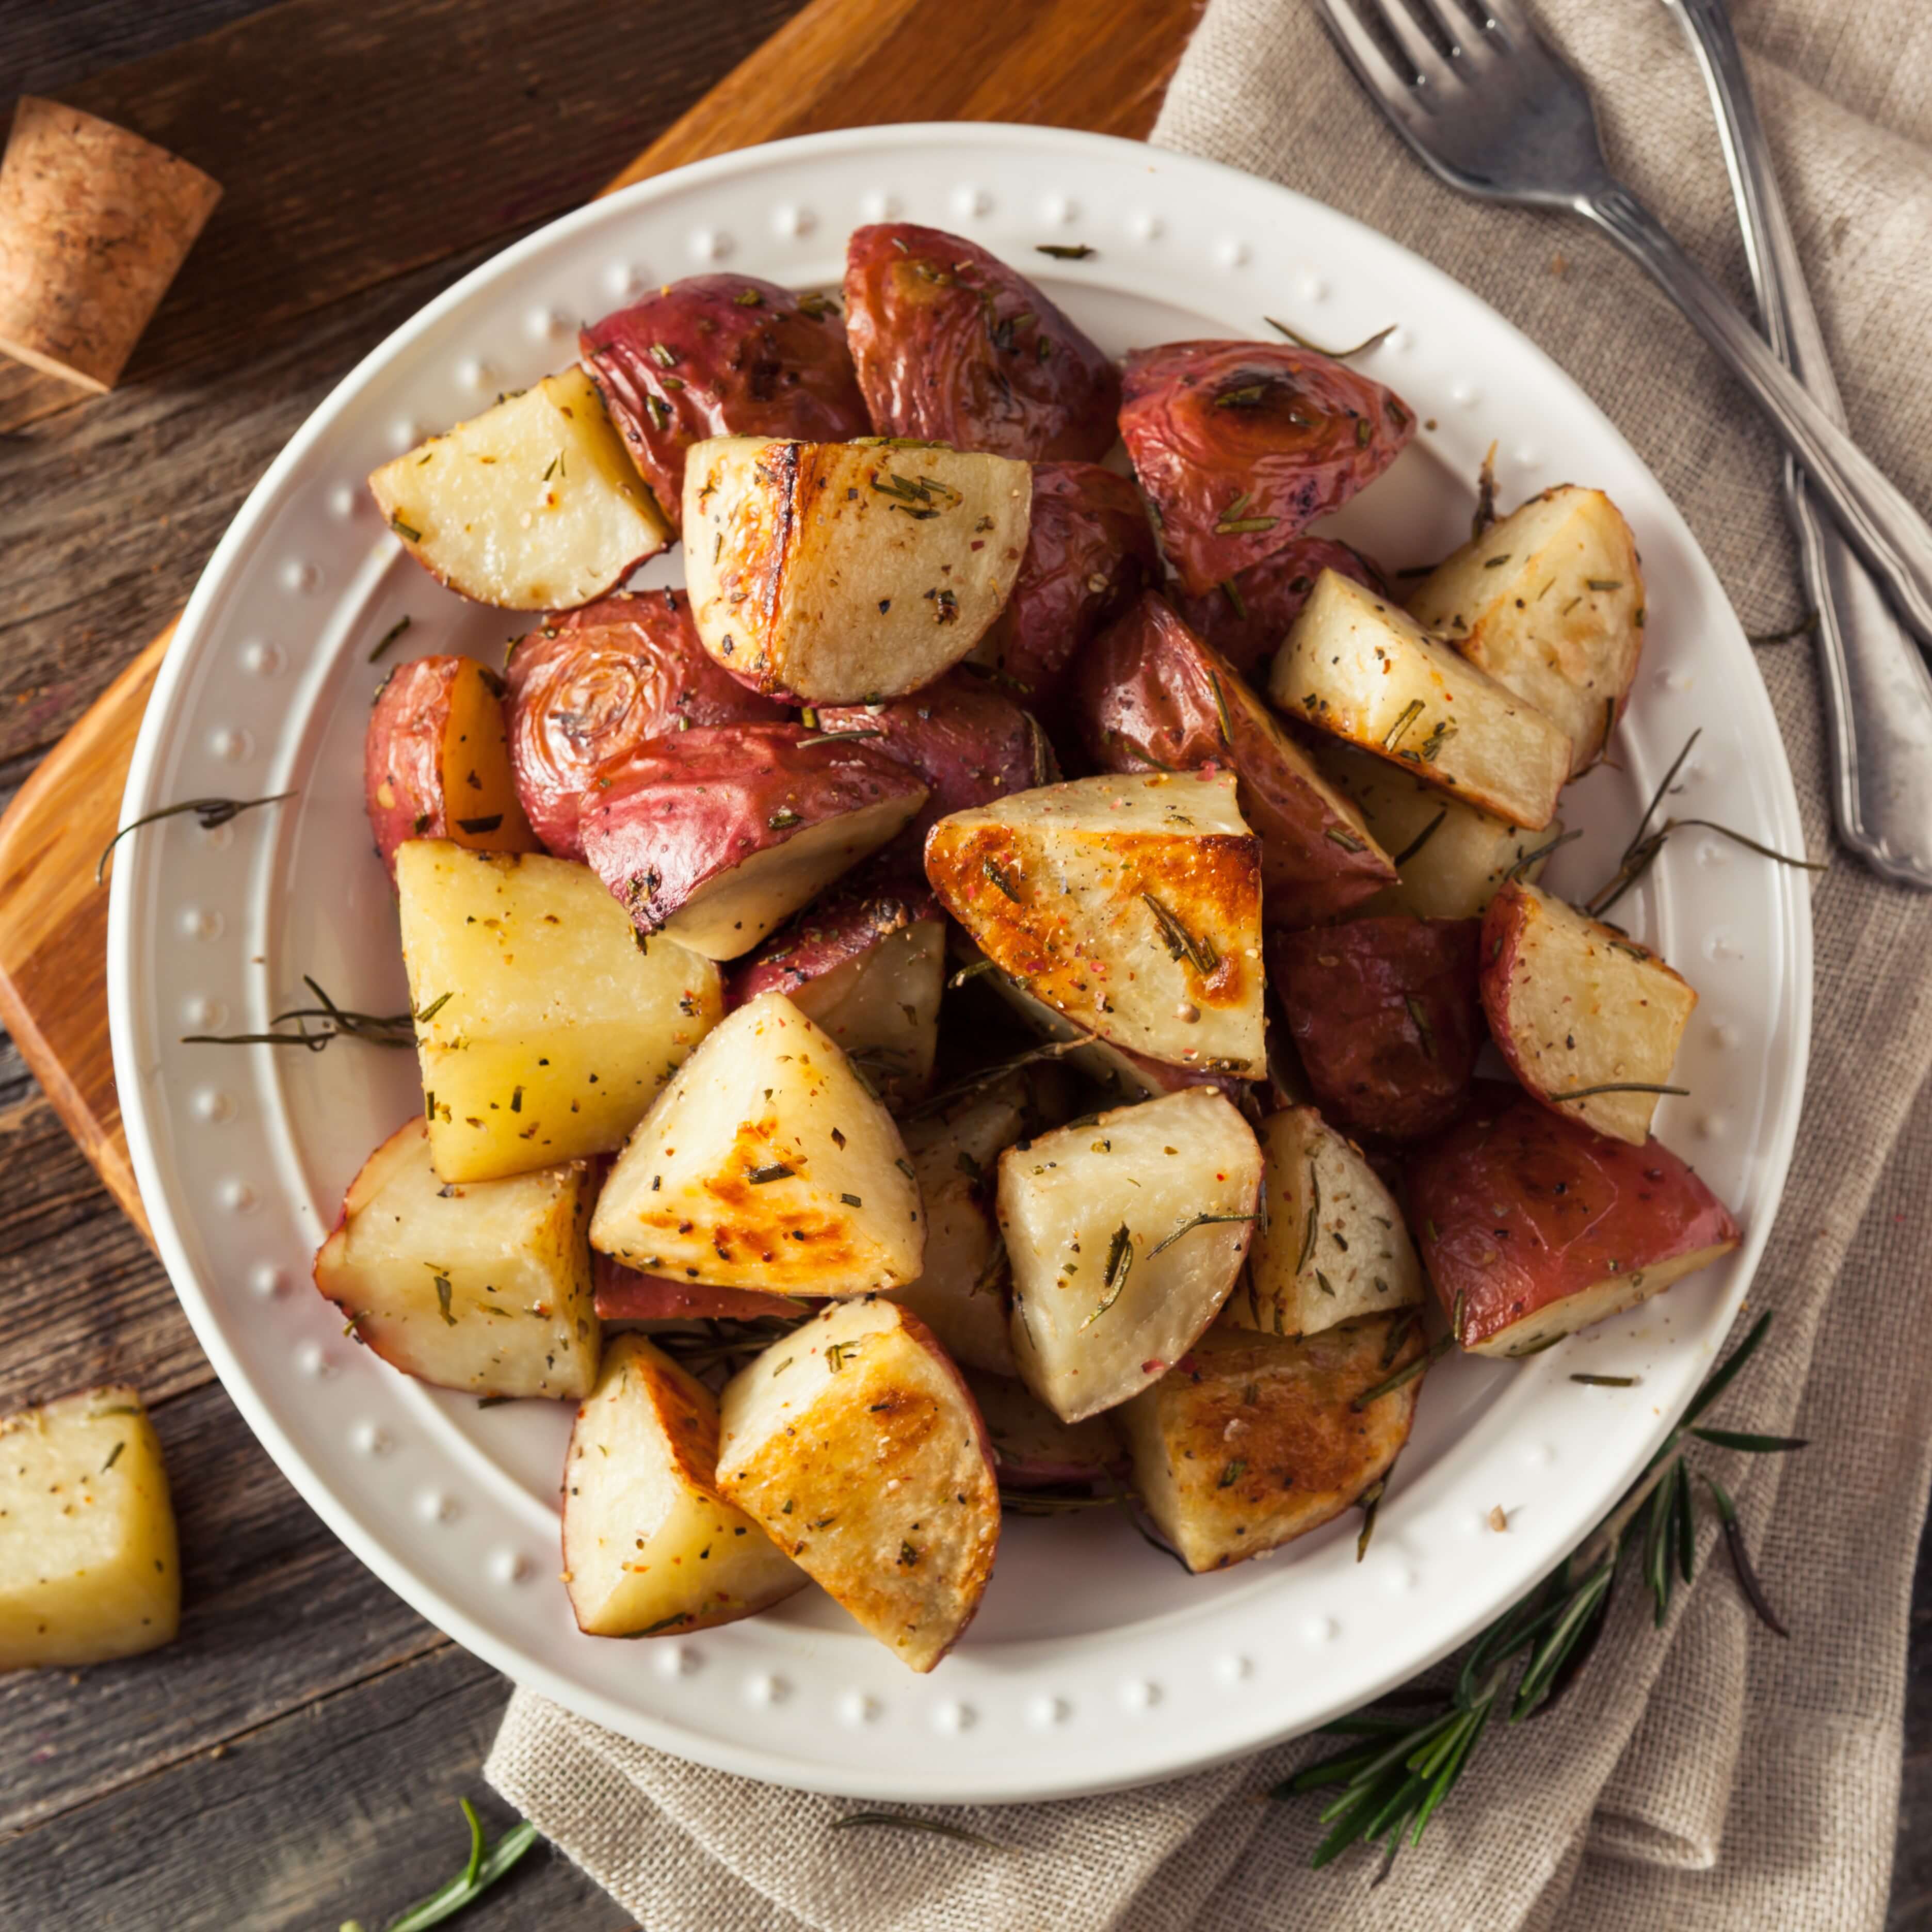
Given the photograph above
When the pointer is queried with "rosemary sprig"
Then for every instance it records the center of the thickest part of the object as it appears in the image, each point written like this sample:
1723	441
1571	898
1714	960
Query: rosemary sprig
487	1864
1640	854
1392	1780
900	1821
208	812
392	1029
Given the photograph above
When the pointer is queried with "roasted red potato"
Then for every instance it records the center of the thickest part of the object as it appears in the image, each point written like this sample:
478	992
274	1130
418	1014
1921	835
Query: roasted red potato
867	962
593	685
969	744
1150	694
1089	552
953	346
1532	1226
721	355
436	763
1253	1440
650	1546
1245	617
1587	1019
855	1444
1385	1014
624	1295
716	835
1241	446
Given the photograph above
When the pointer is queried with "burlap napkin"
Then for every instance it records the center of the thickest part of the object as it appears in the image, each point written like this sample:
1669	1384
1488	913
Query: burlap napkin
1709	1776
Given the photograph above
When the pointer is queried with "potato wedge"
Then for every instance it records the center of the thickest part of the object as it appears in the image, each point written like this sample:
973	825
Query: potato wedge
588	688
533	505
90	1570
1151	694
1385	1016
623	1294
1330	1244
842	573
1124	1236
1589	1020
650	1546
1245	617
767	1164
1531	1226
543	1031
436	760
1548	601
1253	1441
1450	856
1356	666
1090	550
1033	1449
868	964
1131	905
716	835
483	1285
1239	445
1122	1076
720	355
955	1156
854	1442
954	346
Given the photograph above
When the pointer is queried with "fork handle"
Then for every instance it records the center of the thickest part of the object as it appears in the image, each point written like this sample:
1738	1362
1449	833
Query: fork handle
1888	533
1877	691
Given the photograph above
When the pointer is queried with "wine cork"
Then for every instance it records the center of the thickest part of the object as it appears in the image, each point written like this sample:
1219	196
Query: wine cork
94	223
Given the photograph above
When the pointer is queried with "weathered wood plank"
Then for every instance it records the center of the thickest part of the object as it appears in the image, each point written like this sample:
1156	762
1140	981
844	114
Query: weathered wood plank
276	1613
347	1809
408	131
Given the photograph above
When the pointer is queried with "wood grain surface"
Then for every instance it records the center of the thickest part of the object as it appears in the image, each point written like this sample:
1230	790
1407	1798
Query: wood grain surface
295	1758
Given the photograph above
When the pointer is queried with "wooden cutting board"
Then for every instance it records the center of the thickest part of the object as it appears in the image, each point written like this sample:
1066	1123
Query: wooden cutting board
1101	65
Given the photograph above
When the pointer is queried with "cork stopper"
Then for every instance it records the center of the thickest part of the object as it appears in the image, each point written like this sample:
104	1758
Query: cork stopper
94	223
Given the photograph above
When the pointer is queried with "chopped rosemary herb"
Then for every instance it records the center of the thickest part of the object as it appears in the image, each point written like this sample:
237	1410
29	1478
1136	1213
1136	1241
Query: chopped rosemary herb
1410	712
1120	1265
1347	841
1614	1087
1421	839
776	1171
1181	944
1199	1221
1064	251
388	638
1000	879
1361	348
1607	1382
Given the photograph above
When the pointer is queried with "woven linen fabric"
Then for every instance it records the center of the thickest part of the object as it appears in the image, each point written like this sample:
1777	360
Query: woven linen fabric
1708	1775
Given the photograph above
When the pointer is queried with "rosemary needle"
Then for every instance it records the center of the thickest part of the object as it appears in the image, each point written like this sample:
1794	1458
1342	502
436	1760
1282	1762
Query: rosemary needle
896	1821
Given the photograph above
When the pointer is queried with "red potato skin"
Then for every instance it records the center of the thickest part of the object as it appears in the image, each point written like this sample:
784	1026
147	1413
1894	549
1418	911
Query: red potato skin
1247	629
593	685
862	911
776	366
624	1295
1144	699
1089	551
1515	1208
969	743
1236	432
948	343
1385	1016
690	806
403	751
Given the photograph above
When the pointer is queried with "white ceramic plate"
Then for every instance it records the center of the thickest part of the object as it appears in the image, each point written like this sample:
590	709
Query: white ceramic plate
1094	1662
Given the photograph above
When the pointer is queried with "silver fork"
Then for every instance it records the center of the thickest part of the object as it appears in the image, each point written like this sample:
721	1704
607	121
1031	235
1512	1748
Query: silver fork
1491	110
1877	692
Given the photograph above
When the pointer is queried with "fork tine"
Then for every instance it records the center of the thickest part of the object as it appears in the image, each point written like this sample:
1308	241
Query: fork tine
1395	90
1464	32
1429	61
1511	18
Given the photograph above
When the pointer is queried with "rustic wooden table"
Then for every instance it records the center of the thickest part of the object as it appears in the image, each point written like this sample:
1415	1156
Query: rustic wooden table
295	1759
